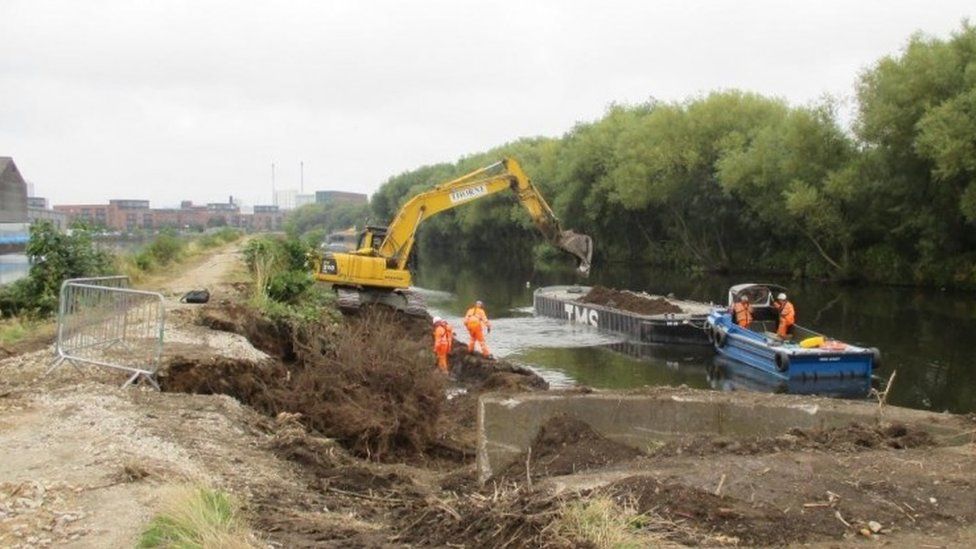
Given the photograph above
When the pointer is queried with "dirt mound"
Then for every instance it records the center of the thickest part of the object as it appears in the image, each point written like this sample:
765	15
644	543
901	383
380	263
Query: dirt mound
629	301
566	445
858	436
482	374
252	383
855	437
692	516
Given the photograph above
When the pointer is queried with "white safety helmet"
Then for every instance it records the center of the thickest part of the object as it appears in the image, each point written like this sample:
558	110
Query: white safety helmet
781	297
743	297
438	320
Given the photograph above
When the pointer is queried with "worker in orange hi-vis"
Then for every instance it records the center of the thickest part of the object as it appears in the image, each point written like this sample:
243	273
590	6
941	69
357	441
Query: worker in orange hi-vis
476	321
742	312
443	336
787	316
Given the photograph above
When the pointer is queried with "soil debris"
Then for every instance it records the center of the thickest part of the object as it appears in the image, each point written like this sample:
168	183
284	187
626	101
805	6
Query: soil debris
629	301
566	445
475	371
274	338
855	437
513	518
691	516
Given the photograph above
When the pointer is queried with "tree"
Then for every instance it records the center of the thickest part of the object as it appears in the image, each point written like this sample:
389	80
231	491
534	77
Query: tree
916	118
794	176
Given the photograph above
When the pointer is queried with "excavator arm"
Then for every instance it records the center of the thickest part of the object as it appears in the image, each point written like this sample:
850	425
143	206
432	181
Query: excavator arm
500	176
377	271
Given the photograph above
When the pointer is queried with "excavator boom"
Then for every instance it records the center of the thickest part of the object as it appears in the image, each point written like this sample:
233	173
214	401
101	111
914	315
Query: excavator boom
380	262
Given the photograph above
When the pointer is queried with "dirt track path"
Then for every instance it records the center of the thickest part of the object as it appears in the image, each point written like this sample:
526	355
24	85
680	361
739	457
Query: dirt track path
211	273
83	462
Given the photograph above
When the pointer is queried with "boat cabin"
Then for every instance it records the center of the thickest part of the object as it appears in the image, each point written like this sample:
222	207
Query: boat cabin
765	317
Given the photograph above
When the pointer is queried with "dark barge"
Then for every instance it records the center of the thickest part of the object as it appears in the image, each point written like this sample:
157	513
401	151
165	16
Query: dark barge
686	327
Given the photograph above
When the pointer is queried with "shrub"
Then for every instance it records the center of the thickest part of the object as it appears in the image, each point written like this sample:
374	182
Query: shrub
279	268
287	286
165	248
209	241
227	234
144	261
55	256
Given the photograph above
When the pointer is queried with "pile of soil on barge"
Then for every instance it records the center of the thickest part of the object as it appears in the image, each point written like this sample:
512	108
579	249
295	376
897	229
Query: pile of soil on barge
629	301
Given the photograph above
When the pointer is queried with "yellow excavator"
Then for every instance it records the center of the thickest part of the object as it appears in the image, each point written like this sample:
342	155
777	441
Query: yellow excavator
376	271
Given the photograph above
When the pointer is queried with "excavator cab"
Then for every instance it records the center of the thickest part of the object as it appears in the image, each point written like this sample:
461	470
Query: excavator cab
370	238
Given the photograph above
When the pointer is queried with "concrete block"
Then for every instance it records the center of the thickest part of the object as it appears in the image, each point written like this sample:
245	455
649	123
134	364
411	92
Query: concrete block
507	423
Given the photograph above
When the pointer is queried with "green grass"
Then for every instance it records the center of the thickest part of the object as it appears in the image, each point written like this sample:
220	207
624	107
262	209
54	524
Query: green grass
15	330
197	518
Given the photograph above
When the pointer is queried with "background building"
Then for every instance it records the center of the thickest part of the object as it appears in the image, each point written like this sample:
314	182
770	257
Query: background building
267	218
304	200
128	215
13	193
37	210
285	199
326	197
13	207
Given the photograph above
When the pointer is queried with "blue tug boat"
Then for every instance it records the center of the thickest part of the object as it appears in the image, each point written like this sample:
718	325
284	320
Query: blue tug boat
805	355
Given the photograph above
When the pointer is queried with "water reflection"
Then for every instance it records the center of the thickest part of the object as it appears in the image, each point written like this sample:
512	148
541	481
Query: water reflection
729	375
605	367
13	267
924	334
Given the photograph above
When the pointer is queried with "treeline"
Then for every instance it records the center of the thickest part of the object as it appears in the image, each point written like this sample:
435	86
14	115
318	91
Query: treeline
739	182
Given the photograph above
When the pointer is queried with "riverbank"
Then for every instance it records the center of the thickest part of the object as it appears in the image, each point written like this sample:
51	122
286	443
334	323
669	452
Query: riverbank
86	463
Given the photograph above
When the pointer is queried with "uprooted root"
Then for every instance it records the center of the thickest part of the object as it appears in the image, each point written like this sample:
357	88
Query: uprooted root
508	518
361	384
368	387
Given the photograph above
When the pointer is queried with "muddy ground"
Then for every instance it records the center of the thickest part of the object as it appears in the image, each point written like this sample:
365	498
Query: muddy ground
629	301
84	461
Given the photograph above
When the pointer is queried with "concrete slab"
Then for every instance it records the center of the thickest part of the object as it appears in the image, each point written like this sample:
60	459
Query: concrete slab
507	423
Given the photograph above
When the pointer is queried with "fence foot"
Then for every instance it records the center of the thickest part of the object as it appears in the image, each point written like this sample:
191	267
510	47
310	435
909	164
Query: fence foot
137	377
54	365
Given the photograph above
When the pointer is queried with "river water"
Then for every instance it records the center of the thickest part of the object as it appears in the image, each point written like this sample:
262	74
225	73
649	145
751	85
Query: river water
925	334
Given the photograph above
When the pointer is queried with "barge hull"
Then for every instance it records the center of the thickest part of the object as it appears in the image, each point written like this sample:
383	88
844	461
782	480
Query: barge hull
676	328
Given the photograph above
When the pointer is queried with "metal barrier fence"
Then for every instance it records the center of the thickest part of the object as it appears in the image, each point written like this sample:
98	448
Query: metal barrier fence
102	322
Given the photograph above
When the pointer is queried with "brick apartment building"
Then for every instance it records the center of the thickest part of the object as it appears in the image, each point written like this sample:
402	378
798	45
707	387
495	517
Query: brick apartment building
126	215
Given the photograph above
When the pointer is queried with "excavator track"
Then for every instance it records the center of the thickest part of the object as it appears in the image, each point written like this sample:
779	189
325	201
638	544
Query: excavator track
351	300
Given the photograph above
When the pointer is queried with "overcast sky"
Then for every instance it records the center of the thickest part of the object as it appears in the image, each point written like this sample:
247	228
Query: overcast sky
171	100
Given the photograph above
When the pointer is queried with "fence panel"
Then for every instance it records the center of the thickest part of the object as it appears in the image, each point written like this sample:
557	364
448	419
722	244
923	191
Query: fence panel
102	322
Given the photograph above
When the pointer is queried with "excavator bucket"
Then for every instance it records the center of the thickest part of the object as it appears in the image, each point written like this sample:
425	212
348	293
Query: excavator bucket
580	246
